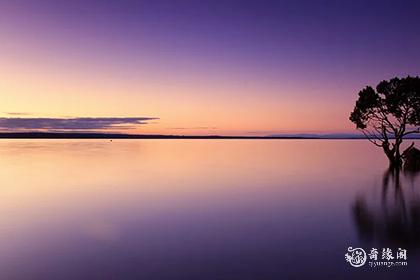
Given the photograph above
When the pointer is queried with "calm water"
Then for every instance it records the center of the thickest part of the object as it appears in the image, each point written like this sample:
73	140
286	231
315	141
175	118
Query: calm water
201	209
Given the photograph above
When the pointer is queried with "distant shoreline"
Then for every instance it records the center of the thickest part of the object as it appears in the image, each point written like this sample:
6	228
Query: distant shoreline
110	136
49	135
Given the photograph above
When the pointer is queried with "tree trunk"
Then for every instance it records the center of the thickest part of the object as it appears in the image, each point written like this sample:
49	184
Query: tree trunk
393	155
389	153
398	159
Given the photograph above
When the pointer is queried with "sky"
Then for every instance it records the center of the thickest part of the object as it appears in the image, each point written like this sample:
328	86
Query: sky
198	67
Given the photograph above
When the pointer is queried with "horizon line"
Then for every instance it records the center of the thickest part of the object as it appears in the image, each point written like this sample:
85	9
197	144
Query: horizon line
105	135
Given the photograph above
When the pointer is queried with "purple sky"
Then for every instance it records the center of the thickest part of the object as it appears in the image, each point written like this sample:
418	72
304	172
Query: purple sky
238	56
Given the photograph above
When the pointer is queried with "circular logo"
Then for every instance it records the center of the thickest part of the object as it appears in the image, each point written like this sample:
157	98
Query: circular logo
356	257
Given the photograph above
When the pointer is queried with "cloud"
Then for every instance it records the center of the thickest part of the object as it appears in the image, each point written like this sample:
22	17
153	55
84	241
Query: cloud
18	114
67	124
262	132
195	127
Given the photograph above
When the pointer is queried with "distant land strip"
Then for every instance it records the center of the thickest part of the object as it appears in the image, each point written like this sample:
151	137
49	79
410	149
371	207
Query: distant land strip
65	135
73	135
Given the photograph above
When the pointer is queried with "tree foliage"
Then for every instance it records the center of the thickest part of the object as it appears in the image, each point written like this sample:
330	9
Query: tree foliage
389	113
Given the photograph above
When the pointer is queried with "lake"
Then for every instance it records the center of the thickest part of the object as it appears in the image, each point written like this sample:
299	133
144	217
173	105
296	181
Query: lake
202	209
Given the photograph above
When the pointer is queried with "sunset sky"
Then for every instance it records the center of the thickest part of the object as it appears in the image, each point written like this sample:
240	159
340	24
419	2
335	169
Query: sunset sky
198	67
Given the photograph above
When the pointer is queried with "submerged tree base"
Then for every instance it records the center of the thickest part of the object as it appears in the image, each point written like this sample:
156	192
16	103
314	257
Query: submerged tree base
411	158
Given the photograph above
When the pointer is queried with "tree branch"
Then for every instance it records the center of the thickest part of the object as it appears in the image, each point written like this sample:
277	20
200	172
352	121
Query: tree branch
373	141
412	132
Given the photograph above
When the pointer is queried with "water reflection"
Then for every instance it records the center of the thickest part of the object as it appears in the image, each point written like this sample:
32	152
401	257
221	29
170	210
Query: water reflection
392	216
138	209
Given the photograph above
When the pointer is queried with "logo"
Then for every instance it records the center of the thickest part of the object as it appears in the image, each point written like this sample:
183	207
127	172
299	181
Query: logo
356	257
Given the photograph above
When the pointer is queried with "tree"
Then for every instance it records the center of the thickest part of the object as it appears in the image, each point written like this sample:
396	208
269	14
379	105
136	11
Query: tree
389	114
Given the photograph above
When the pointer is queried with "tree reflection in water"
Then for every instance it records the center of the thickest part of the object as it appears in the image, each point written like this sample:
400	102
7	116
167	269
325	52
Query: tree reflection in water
393	217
